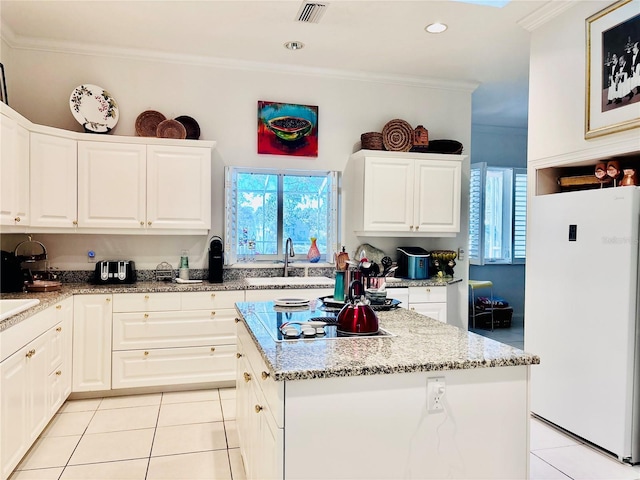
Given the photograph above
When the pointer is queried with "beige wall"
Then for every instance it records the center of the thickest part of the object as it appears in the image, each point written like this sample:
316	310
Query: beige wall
557	93
224	102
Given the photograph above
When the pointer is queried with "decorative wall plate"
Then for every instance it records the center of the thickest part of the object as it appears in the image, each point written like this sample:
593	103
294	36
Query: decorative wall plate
94	108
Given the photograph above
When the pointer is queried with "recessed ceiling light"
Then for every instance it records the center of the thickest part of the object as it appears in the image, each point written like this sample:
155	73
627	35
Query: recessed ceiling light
436	27
294	45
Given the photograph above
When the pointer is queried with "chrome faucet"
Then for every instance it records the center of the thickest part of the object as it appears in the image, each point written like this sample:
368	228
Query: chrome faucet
288	252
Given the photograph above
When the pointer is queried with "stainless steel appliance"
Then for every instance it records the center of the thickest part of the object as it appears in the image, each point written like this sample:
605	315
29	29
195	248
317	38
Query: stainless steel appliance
582	316
413	263
115	271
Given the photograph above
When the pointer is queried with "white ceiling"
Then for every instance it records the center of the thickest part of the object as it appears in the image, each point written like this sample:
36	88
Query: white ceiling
484	45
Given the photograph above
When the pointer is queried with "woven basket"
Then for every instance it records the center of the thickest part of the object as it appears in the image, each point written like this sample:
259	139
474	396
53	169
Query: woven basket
147	123
371	141
445	146
397	136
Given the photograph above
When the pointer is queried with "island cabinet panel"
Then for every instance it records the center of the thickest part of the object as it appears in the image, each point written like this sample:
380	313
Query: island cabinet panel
261	438
379	426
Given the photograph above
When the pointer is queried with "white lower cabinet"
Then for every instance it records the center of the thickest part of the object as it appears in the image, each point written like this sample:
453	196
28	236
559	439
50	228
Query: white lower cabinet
429	301
34	380
174	338
92	318
259	413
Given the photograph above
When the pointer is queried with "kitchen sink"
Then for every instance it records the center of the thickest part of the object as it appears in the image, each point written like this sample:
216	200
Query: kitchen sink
283	281
9	307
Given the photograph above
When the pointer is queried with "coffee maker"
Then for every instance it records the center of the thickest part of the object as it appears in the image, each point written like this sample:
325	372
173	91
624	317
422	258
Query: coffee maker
216	259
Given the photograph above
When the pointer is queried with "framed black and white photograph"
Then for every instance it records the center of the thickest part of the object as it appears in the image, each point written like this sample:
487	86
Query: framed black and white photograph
3	86
613	69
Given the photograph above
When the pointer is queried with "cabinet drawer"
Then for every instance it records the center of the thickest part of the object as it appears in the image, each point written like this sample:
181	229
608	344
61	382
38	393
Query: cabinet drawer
260	375
427	294
173	366
146	302
211	300
173	329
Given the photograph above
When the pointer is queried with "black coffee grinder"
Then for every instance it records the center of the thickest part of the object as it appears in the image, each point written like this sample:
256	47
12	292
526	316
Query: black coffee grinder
216	259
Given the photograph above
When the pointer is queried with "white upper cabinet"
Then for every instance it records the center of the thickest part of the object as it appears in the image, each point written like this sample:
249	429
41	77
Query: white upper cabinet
111	185
403	194
143	187
437	195
178	187
53	181
14	164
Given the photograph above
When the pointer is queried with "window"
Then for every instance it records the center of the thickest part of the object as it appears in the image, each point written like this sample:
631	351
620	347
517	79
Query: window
264	207
497	215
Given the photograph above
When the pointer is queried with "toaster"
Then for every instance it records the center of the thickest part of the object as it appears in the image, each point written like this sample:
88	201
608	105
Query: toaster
115	271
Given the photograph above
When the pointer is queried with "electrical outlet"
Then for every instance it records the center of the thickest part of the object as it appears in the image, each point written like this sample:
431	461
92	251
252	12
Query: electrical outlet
436	389
91	256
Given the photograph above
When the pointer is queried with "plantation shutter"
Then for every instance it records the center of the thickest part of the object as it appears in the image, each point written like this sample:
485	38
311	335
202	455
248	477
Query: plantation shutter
476	209
519	214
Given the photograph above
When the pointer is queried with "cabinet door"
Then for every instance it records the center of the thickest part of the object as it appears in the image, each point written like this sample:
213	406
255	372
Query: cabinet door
14	163
178	187
92	316
60	346
14	429
53	181
437	311
388	194
437	196
38	390
111	185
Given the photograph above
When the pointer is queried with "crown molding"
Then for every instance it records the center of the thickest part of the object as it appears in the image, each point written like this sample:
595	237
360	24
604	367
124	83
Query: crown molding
18	42
545	13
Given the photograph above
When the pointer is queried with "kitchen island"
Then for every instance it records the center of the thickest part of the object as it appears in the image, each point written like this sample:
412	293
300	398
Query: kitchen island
428	400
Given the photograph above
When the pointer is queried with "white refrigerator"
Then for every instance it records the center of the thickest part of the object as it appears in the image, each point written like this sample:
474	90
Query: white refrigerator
581	315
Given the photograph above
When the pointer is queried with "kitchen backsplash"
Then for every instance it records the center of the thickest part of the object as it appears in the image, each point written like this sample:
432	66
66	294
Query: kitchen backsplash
229	274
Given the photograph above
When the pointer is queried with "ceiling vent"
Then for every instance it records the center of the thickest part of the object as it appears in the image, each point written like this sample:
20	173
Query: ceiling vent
311	12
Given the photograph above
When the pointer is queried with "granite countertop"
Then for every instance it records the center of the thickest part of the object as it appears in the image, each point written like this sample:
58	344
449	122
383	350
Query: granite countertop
68	289
419	344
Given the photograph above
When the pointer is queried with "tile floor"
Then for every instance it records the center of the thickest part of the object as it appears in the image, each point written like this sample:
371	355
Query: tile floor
192	435
513	336
178	435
